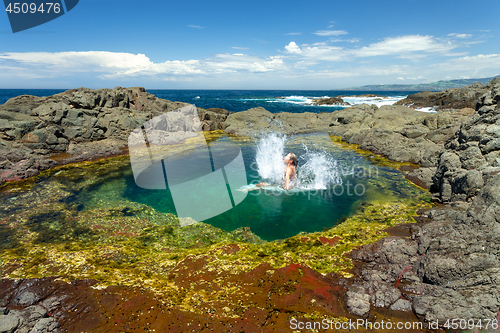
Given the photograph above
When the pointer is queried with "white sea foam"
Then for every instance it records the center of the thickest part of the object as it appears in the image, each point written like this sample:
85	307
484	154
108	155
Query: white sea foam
308	100
378	101
316	170
429	109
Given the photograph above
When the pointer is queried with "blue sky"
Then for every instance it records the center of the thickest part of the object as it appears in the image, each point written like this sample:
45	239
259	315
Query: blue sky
253	45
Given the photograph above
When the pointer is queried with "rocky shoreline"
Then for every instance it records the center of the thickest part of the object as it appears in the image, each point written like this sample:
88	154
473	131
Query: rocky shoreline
445	266
38	133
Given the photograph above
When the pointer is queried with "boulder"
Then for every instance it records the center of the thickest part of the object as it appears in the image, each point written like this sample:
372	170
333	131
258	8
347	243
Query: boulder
422	177
251	122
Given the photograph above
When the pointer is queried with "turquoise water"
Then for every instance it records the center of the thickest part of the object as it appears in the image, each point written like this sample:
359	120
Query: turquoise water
103	189
276	214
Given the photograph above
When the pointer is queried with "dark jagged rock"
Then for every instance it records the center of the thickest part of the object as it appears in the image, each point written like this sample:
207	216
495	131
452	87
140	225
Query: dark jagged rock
34	318
448	268
330	101
456	98
84	123
363	95
213	119
471	158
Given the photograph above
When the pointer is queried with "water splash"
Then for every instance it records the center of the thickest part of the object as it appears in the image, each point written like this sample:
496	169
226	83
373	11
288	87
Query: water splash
317	169
269	157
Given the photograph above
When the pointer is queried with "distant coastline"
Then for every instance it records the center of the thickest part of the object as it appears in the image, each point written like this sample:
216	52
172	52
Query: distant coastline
434	86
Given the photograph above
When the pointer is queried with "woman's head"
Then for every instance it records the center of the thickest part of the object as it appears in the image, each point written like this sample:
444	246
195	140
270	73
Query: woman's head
291	158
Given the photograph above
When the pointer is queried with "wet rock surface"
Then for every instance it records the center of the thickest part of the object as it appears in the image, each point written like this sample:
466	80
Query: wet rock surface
37	133
33	318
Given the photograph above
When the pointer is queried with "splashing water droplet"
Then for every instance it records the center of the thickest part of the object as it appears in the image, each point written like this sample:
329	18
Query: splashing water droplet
317	170
269	157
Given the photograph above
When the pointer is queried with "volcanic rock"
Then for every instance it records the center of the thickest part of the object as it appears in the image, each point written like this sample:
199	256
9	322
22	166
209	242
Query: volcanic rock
85	123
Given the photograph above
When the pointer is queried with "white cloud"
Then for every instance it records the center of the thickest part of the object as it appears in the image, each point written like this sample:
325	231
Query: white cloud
330	32
229	63
293	48
412	47
335	74
477	63
239	48
293	34
195	26
337	40
403	45
319	51
401	78
114	65
80	60
416	78
461	36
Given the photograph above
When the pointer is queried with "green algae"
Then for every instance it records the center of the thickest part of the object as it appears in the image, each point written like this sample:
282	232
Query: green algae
164	244
374	158
44	232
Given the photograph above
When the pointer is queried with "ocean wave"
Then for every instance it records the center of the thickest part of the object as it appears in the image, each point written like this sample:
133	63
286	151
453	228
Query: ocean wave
378	101
309	100
429	110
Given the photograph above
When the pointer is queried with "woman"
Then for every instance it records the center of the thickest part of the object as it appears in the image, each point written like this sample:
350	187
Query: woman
290	172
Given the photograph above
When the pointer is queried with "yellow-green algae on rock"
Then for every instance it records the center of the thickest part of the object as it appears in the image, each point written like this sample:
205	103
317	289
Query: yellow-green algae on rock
119	242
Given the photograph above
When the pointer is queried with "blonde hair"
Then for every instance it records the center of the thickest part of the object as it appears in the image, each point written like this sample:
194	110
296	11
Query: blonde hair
293	158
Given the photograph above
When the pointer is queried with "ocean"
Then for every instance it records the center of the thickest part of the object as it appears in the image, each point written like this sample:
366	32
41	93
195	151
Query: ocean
296	101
